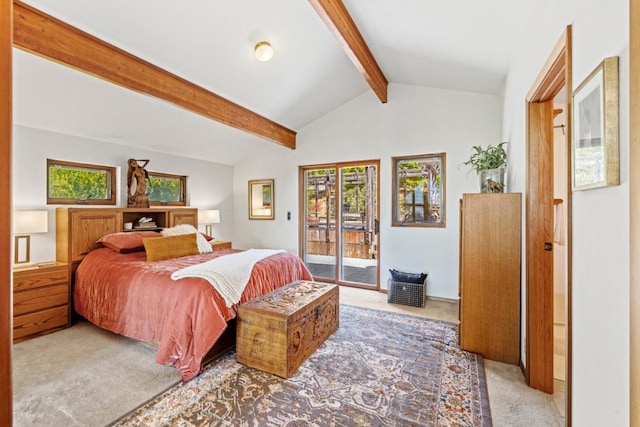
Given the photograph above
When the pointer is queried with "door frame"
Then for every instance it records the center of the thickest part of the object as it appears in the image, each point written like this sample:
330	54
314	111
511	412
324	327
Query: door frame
634	214
302	218
556	74
6	287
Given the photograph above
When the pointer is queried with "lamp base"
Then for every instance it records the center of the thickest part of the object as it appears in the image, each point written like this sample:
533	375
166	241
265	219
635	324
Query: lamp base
22	248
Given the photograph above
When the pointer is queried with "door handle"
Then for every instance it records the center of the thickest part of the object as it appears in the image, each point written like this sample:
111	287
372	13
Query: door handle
376	226
548	246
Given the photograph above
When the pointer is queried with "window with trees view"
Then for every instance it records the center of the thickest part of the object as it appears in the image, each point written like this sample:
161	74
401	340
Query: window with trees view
80	183
167	189
418	190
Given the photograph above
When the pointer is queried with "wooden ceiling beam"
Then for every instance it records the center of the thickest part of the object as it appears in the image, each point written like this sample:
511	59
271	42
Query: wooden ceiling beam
336	17
46	36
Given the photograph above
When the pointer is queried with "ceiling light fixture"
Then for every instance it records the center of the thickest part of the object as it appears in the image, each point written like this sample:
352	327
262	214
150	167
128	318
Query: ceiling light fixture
264	51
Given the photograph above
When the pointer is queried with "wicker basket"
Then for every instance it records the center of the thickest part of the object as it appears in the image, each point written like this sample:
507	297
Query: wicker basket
413	294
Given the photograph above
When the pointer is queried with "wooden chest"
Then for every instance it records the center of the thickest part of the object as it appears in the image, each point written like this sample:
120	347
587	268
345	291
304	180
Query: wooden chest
277	332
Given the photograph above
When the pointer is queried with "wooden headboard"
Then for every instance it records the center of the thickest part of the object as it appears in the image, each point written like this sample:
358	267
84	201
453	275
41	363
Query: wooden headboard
78	229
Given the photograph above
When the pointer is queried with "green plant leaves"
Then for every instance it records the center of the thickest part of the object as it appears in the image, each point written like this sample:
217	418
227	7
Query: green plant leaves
491	157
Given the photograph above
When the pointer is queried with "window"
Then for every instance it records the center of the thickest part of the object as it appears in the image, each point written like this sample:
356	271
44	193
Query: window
80	183
418	190
166	189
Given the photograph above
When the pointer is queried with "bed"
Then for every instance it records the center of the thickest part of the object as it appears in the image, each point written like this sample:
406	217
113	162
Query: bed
126	294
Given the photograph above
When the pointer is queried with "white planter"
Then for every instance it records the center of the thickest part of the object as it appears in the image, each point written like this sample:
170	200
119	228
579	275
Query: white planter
493	180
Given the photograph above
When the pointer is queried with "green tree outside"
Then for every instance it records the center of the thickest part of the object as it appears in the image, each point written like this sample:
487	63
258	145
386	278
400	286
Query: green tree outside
78	184
164	189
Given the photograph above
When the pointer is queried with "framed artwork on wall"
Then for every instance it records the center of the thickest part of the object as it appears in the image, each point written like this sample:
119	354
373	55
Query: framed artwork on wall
419	191
595	153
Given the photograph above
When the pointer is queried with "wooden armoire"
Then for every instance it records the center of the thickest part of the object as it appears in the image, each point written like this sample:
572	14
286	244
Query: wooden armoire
489	276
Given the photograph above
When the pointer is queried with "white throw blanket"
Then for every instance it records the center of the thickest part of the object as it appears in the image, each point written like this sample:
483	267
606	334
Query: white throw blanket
228	274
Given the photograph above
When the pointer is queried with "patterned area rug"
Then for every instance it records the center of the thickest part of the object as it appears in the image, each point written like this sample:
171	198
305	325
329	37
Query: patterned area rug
378	369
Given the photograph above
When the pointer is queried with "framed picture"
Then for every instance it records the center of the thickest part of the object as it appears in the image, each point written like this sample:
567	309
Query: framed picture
261	196
595	153
419	191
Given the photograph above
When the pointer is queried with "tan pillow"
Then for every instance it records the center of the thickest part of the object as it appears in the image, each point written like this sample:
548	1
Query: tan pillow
159	248
203	245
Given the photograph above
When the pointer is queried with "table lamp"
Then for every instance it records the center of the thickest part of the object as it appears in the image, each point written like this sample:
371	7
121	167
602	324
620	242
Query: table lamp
26	223
208	217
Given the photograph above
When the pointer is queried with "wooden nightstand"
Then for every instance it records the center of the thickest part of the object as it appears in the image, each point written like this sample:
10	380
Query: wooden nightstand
41	298
220	244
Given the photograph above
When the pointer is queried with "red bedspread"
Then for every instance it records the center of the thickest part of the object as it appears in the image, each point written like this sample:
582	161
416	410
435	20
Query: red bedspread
125	294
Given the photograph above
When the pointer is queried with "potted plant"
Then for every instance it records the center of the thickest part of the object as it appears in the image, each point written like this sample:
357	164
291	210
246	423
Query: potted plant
491	165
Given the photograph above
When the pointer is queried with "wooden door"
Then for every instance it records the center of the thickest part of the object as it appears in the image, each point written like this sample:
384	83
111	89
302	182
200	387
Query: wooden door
554	77
539	231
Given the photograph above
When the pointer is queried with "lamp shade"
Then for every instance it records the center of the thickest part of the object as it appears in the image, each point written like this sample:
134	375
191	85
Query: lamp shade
29	222
210	216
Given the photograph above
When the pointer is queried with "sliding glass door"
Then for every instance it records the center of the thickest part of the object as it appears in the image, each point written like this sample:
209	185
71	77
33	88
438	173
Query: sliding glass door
340	222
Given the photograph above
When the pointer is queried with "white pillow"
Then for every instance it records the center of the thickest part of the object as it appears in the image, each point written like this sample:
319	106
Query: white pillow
203	246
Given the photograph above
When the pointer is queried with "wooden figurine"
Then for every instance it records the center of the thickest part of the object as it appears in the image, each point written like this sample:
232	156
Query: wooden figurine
137	180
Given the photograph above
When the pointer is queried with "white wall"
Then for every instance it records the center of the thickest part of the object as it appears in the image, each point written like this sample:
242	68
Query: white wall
416	120
600	217
209	185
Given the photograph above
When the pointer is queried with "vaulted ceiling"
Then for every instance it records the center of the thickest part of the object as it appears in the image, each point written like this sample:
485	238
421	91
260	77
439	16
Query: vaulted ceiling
463	45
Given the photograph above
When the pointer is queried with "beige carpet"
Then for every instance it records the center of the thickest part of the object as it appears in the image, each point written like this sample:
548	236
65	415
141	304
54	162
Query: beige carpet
84	376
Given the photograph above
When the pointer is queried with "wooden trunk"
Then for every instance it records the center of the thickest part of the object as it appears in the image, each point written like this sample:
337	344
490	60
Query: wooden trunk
277	332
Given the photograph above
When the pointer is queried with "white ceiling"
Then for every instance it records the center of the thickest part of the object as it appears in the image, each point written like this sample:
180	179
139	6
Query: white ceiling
460	45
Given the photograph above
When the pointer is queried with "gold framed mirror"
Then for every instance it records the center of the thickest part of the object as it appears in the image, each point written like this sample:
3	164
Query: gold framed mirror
261	199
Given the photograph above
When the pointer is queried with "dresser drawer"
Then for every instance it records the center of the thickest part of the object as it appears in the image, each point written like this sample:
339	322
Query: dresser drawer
32	279
40	299
41	321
